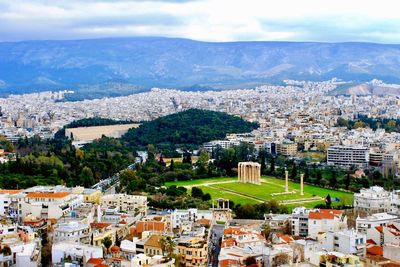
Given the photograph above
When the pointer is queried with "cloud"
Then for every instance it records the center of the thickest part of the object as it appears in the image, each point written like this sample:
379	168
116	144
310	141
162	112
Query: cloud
207	20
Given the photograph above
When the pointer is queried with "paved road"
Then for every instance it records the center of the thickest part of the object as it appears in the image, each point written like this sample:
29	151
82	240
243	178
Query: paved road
217	231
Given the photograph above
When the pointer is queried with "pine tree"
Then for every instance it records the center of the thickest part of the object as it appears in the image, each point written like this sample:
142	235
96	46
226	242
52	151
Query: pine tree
272	166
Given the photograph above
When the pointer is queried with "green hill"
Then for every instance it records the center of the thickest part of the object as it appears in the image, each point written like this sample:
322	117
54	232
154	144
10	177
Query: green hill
187	129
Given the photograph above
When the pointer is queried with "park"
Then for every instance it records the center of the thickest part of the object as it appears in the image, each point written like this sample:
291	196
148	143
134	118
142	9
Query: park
271	188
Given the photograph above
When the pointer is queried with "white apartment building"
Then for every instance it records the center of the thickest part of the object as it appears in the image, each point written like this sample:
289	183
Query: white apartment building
300	221
376	219
7	199
346	241
125	202
179	217
49	205
73	232
347	156
224	144
325	220
78	252
372	200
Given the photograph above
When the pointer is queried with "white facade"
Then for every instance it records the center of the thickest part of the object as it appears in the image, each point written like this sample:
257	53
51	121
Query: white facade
346	241
125	202
325	221
300	221
179	217
78	252
48	205
73	232
372	200
376	219
347	156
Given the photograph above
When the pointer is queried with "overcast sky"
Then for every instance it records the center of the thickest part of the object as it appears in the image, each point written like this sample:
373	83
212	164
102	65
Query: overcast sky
206	20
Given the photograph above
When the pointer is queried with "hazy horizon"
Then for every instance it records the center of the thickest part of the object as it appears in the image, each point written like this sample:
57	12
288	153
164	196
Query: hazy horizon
202	20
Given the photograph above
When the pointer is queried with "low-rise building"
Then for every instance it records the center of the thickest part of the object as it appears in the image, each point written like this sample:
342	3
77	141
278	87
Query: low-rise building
300	221
79	253
126	203
373	220
346	241
72	231
372	200
325	220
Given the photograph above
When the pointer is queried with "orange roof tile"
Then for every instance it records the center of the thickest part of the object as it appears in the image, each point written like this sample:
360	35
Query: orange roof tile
115	249
95	261
100	225
325	214
150	226
10	191
370	241
204	221
228	262
47	195
379	228
375	250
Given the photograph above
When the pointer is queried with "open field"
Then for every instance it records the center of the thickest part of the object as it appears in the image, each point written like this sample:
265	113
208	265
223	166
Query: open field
250	193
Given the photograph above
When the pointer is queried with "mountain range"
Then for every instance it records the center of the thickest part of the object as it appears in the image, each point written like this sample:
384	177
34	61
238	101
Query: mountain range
117	66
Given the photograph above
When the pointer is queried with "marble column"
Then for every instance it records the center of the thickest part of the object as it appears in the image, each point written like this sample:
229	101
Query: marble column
302	184
286	181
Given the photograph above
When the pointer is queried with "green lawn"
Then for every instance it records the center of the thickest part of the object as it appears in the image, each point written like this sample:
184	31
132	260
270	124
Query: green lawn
227	187
215	193
200	181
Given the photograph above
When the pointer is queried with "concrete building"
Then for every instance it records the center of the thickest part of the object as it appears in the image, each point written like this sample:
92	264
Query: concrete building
126	203
346	241
49	205
287	148
80	253
372	200
325	220
347	156
300	221
373	220
72	232
180	217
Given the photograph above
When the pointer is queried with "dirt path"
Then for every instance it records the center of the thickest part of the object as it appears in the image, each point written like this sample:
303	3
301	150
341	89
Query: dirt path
207	184
237	193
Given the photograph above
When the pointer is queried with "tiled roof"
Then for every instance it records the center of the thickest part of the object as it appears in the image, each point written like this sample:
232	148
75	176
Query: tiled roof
325	214
95	261
10	191
228	262
100	225
375	250
47	195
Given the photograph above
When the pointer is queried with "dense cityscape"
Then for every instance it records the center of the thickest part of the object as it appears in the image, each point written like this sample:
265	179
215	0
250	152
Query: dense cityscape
301	125
199	133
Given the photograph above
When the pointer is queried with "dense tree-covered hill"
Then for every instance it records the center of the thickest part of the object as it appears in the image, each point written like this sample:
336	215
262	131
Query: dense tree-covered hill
186	129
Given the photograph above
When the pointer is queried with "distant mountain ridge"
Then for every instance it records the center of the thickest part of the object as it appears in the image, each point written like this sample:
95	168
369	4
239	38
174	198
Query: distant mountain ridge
145	62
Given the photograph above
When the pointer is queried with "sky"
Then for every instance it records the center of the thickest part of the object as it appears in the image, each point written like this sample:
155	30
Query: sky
205	20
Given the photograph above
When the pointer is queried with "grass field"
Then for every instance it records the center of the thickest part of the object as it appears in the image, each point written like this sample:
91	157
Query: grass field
250	193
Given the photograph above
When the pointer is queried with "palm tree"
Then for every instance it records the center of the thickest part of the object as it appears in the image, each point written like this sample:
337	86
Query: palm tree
167	245
107	242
